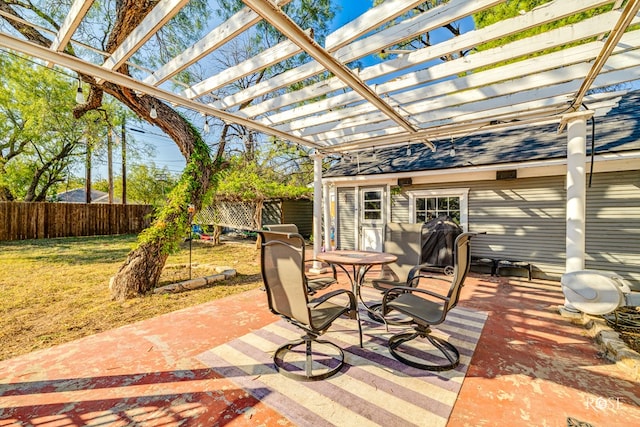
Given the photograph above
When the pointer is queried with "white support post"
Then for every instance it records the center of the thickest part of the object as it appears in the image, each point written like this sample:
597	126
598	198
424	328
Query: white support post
327	217
576	192
317	208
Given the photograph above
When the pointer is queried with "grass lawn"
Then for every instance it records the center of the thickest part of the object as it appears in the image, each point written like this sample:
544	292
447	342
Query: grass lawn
57	290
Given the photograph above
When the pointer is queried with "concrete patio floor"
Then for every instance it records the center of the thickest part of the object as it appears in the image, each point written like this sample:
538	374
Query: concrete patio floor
531	367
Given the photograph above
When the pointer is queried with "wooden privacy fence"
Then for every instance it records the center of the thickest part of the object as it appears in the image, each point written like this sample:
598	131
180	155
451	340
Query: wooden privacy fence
41	220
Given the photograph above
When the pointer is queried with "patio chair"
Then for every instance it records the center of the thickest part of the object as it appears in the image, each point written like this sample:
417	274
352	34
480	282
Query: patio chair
426	308
405	241
282	266
314	284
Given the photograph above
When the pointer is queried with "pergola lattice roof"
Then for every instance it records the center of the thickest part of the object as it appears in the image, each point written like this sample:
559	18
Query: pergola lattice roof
406	98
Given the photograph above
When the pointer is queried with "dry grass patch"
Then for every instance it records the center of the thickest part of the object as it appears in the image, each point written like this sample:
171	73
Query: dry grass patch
56	290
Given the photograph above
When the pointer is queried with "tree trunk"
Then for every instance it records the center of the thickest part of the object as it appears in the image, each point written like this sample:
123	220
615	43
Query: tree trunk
142	267
217	232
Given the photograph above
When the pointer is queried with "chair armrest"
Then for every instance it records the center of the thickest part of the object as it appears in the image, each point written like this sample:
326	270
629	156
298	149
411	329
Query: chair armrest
411	290
407	289
414	274
324	298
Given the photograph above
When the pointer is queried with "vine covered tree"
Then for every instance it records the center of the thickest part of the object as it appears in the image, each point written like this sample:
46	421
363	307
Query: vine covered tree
109	23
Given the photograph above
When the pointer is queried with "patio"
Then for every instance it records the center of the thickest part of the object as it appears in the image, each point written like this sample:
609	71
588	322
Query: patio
530	366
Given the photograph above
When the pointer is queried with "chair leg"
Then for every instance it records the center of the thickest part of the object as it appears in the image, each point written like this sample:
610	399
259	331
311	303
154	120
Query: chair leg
447	349
306	372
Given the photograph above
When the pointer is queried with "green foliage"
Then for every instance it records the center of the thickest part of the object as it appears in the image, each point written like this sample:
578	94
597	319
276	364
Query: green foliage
40	140
38	136
511	9
247	181
146	184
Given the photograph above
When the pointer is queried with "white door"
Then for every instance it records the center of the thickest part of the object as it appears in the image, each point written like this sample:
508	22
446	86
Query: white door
371	219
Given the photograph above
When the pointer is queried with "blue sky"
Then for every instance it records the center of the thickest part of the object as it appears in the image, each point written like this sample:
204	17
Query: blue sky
350	9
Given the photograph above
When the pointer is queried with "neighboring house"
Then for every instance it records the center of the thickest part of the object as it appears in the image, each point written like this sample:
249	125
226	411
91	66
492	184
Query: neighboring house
78	195
511	185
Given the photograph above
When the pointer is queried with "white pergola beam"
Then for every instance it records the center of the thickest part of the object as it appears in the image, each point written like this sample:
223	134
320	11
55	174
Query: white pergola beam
77	12
541	102
217	37
286	26
544	14
546	100
237	24
114	77
264	59
160	15
524	75
372	44
558	37
628	14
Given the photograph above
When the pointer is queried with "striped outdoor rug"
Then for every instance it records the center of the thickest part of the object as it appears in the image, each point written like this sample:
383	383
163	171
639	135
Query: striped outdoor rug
373	389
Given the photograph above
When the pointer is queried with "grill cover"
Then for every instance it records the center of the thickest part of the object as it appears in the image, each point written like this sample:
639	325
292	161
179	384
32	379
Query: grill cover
439	241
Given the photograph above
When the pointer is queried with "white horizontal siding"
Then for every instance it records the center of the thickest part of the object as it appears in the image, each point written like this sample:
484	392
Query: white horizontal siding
346	218
613	224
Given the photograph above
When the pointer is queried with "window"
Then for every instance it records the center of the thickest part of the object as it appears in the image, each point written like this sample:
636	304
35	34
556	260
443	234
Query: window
426	205
372	205
428	208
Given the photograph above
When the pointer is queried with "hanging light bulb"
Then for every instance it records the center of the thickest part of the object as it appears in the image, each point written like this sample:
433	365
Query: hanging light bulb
452	152
408	150
206	125
374	156
153	113
79	94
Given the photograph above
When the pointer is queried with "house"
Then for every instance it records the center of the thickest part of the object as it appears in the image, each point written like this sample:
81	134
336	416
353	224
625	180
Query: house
78	195
510	184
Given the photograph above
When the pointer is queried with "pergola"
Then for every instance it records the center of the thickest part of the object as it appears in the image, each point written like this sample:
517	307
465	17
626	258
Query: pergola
402	98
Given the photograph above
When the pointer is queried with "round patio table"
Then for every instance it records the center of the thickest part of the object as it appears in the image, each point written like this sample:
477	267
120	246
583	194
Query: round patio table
360	263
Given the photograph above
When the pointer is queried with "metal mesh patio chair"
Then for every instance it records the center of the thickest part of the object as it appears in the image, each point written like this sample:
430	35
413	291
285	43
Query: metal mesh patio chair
314	283
405	241
282	266
426	308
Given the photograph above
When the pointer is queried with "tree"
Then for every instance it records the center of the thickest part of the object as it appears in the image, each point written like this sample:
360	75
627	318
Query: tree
146	184
141	270
37	146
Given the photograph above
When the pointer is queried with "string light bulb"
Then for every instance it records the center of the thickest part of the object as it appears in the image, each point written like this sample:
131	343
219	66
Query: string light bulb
153	113
206	125
408	150
452	151
79	94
